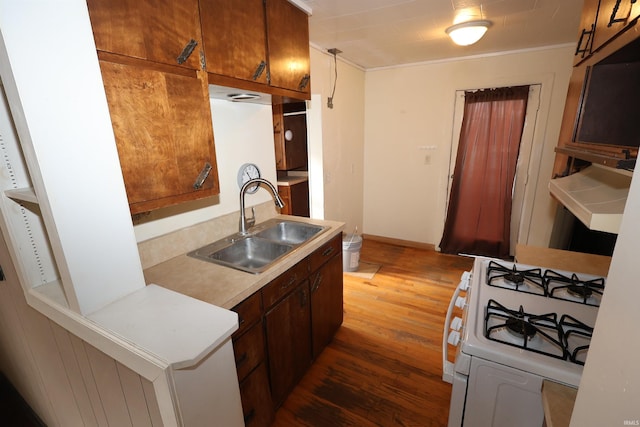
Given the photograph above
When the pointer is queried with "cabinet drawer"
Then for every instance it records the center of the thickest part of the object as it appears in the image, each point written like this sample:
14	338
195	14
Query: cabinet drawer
325	252
285	283
249	311
249	350
257	406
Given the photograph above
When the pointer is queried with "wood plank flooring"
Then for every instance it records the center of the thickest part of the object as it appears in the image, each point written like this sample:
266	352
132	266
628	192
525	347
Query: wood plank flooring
384	366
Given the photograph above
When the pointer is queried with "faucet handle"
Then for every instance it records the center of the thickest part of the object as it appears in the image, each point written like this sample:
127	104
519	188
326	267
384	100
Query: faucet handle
251	221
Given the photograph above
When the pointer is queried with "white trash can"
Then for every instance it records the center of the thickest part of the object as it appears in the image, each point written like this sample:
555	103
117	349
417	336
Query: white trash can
351	244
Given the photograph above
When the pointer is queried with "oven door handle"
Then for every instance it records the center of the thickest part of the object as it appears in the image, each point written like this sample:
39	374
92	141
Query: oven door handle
448	367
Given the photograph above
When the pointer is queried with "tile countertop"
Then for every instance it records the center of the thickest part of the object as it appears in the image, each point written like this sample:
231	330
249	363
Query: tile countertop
226	287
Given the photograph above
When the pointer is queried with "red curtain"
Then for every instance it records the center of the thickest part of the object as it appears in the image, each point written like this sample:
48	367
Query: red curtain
479	213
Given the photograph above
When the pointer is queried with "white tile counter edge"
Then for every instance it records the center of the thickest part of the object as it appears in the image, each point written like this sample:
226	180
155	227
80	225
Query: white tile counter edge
174	327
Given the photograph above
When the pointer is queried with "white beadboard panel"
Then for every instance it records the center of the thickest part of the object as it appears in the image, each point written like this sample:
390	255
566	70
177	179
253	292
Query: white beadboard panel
51	368
152	403
106	376
134	396
65	347
90	384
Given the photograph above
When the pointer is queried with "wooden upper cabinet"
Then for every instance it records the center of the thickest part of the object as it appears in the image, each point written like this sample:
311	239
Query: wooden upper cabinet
613	17
288	42
586	31
234	38
158	31
164	135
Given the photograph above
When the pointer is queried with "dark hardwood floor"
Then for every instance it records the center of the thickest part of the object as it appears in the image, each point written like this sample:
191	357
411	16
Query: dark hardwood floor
384	366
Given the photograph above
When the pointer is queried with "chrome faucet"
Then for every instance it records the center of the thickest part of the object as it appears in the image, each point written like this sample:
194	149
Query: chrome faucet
246	223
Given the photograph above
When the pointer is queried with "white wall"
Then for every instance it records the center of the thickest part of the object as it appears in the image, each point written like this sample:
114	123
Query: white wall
243	133
609	391
342	137
410	107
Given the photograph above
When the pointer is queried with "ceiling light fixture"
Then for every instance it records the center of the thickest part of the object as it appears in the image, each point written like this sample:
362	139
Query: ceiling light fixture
467	33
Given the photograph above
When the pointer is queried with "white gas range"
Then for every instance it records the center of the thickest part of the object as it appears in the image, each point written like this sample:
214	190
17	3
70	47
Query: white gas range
521	324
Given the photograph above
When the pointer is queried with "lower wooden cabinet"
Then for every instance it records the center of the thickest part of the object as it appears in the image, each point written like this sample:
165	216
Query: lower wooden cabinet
326	303
283	327
287	326
257	407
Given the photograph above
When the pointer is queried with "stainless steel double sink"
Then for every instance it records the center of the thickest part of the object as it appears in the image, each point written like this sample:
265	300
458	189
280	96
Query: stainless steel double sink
256	251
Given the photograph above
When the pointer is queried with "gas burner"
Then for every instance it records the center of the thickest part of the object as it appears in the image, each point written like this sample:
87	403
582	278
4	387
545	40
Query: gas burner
536	333
521	280
584	290
520	328
581	292
576	337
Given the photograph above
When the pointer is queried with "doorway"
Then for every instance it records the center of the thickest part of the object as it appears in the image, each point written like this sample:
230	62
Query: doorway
526	170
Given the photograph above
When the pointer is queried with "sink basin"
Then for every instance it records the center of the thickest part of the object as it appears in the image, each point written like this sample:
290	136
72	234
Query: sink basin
264	245
289	232
251	254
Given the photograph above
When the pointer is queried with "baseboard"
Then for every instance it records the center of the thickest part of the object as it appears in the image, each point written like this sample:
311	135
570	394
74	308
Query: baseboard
400	242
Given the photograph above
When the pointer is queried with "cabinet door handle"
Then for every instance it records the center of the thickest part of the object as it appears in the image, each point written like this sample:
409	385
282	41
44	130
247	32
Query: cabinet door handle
259	70
250	416
328	251
304	81
317	283
202	176
187	51
303	298
291	281
243	358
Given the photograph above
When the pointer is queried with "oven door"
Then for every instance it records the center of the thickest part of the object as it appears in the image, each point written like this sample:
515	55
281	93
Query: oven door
499	396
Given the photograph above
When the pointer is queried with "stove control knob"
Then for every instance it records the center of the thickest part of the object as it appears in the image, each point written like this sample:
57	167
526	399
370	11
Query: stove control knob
454	338
456	323
464	281
461	302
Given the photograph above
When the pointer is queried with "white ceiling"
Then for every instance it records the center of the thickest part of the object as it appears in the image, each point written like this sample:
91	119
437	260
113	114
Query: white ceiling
380	33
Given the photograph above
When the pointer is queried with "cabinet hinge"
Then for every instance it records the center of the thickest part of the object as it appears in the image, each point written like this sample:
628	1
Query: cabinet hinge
187	51
203	62
202	176
584	45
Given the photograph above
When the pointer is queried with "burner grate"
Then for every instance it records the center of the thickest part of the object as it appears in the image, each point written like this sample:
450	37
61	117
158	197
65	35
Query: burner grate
576	337
573	288
518	279
536	333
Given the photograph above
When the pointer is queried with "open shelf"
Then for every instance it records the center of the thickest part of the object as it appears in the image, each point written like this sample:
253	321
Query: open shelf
612	161
22	194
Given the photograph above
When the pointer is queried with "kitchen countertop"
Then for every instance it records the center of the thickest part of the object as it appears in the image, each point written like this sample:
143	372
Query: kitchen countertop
290	180
226	287
557	400
563	260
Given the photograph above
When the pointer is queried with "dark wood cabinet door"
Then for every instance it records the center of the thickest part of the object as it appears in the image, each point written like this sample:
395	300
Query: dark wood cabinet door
234	34
326	303
288	327
288	44
162	124
256	400
155	31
